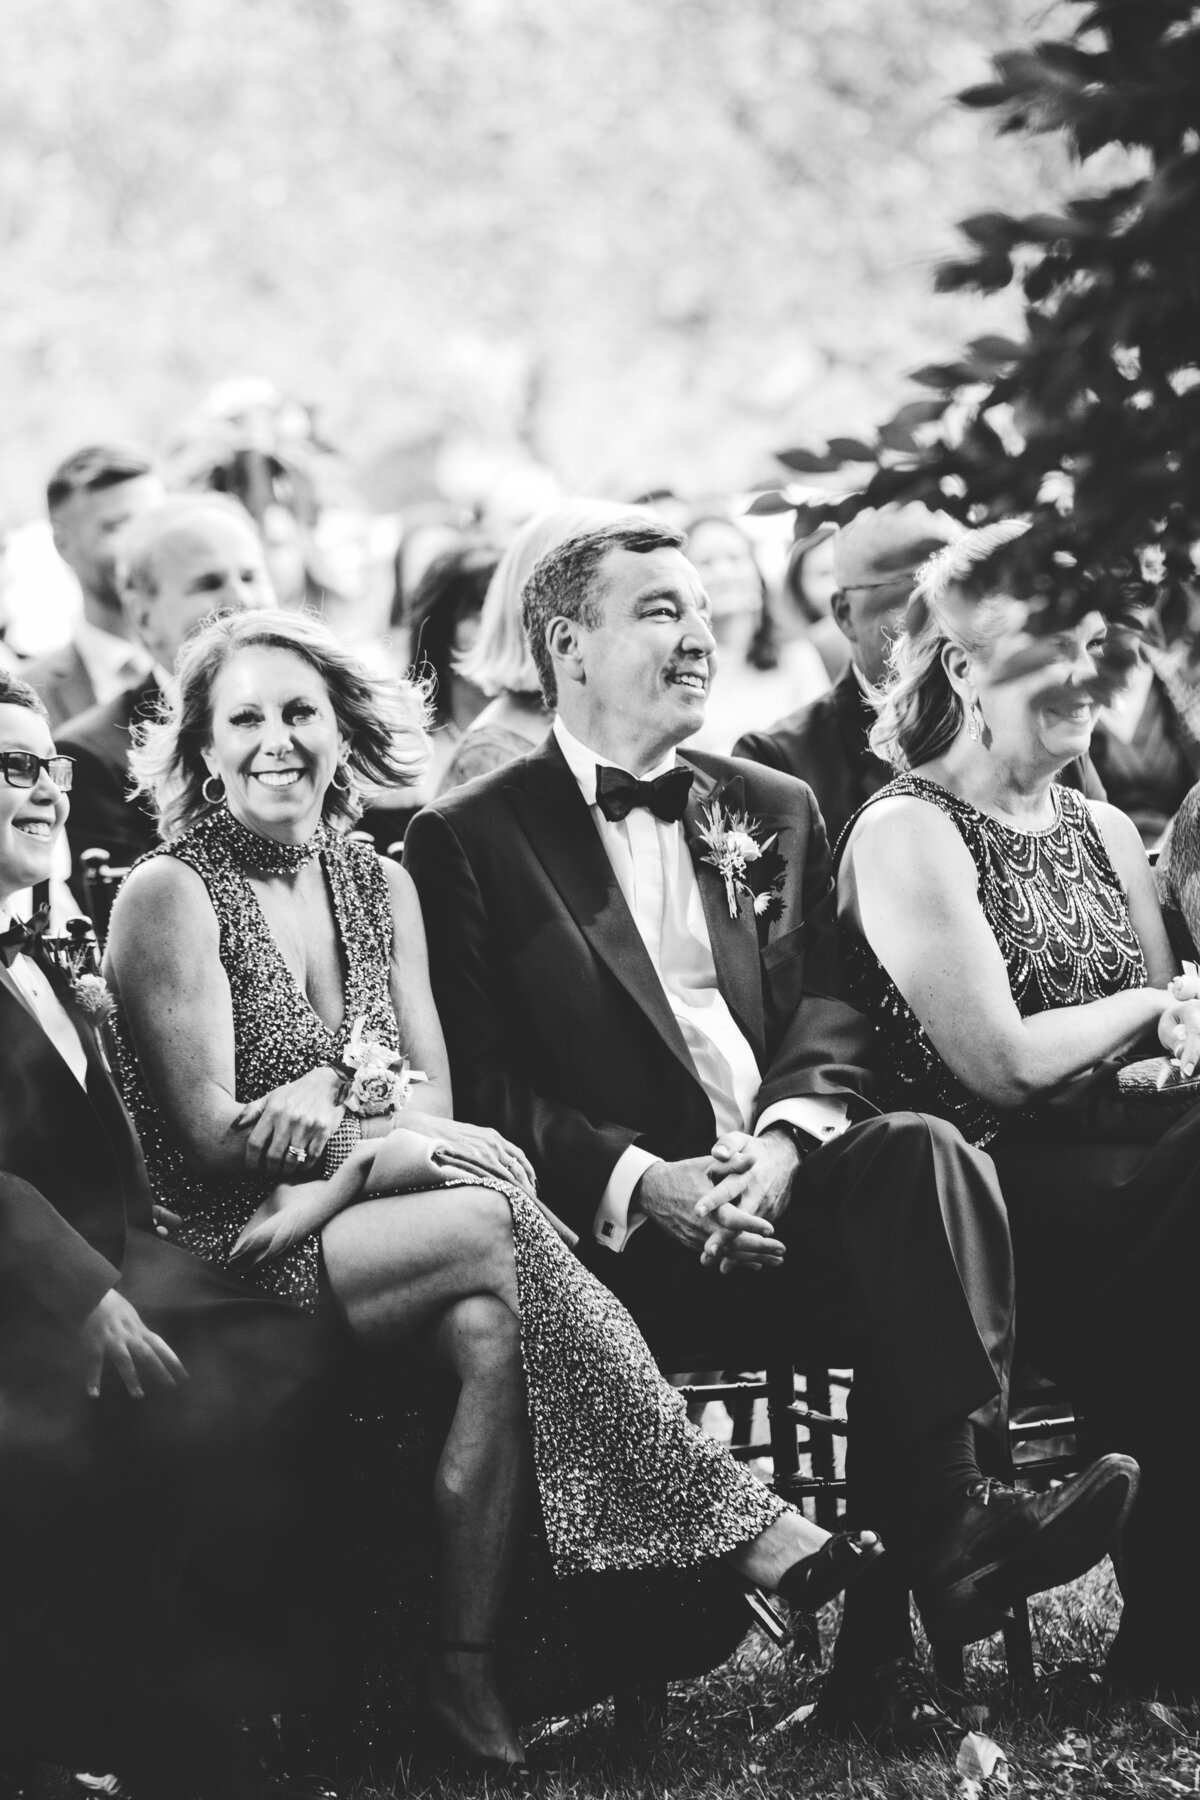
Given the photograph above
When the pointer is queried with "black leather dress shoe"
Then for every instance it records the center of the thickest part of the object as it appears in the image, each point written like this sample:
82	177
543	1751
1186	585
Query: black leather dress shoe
894	1706
1006	1543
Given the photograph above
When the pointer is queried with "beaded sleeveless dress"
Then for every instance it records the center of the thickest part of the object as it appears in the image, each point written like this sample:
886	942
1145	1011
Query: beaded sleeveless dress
624	1481
1060	917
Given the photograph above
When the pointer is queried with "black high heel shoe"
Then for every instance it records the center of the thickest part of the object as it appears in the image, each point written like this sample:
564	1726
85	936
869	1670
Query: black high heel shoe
812	1582
439	1744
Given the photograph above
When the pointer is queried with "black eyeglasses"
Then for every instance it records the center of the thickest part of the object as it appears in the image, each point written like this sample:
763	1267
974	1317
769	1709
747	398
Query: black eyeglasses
22	768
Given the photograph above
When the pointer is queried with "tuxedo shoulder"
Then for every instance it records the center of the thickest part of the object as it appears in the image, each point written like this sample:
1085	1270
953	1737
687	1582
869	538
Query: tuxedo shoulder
472	813
767	789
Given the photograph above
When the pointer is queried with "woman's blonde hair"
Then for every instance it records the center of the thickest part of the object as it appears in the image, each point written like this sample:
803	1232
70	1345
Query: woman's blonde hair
500	660
920	714
383	719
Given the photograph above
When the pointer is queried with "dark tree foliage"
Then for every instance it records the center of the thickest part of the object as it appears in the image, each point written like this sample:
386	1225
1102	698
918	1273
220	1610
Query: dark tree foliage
1089	424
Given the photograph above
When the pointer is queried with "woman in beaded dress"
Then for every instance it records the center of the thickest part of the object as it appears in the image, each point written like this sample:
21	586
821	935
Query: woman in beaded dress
1004	935
247	954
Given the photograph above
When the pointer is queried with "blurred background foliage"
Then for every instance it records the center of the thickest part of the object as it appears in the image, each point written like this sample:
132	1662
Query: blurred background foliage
641	241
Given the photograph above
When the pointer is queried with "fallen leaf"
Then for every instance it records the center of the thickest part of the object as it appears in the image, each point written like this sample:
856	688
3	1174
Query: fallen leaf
980	1762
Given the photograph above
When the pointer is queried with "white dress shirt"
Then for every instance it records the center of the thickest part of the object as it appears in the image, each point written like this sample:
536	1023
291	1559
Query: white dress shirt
113	663
653	867
48	1009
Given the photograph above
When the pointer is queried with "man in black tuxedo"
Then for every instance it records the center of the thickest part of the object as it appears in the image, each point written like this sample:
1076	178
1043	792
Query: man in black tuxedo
153	1412
665	1037
185	559
875	559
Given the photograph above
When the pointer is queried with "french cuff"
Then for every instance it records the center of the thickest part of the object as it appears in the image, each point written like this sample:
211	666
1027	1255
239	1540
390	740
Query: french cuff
613	1226
820	1116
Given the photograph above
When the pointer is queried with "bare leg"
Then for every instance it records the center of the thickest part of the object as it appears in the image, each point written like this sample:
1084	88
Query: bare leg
764	1559
482	1482
445	1261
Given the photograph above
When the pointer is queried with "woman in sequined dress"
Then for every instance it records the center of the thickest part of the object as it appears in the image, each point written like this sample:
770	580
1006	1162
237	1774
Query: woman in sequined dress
1005	936
250	954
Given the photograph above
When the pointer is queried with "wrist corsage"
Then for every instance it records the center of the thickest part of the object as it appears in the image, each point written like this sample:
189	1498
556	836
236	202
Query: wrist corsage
377	1079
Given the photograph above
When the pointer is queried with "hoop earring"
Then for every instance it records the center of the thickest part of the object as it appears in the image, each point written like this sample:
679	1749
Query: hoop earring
342	787
974	721
212	799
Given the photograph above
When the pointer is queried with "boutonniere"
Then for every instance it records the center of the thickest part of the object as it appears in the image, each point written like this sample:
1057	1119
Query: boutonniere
736	846
76	957
379	1078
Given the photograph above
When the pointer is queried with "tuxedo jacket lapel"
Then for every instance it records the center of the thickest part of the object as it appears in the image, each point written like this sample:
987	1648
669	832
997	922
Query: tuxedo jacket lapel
100	1094
17	992
734	941
561	832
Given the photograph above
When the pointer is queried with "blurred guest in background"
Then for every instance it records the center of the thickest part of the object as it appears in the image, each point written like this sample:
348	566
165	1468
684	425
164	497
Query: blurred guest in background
444	623
1146	745
875	558
248	440
91	497
191	556
756	677
427	532
808	587
499	663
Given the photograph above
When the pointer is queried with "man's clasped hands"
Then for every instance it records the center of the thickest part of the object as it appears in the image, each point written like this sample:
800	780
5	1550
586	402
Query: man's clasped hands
724	1206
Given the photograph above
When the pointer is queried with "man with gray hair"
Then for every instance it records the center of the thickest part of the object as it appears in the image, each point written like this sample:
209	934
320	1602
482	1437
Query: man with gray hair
190	557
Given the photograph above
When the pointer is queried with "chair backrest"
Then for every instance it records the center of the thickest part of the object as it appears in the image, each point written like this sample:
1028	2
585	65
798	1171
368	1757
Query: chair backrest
101	879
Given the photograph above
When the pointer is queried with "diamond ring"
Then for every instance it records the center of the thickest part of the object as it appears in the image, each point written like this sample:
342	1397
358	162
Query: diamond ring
299	1155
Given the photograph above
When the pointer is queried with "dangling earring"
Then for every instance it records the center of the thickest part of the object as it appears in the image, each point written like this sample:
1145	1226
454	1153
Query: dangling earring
213	799
974	720
341	787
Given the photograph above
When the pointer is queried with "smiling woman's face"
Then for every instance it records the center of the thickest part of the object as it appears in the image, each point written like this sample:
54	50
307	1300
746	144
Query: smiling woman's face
275	741
1040	694
30	818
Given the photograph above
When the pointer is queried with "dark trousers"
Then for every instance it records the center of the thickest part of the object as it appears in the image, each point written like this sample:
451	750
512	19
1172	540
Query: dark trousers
898	1264
1107	1244
152	1547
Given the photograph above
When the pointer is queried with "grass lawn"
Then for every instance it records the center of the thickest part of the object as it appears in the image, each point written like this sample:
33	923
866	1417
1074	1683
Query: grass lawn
720	1739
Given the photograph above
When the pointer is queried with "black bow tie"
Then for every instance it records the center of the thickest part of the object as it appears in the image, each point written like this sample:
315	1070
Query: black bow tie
23	939
617	793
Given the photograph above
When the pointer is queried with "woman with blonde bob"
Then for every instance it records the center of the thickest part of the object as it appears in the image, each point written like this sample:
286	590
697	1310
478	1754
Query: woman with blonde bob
499	662
284	1063
1004	935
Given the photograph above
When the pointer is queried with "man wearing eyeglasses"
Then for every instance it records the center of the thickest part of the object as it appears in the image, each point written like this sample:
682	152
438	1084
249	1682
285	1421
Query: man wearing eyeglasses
190	557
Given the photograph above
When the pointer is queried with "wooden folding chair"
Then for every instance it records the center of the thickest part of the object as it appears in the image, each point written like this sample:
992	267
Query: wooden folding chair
101	879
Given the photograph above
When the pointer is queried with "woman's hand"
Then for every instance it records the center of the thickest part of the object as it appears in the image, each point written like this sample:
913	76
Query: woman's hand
290	1127
288	1215
1179	1033
477	1149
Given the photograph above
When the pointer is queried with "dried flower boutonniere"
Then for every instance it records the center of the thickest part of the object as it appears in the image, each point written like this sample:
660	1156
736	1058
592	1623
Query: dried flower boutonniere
735	847
76	957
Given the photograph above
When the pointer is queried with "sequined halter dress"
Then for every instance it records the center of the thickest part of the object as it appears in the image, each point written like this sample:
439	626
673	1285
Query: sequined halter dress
624	1481
1060	917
